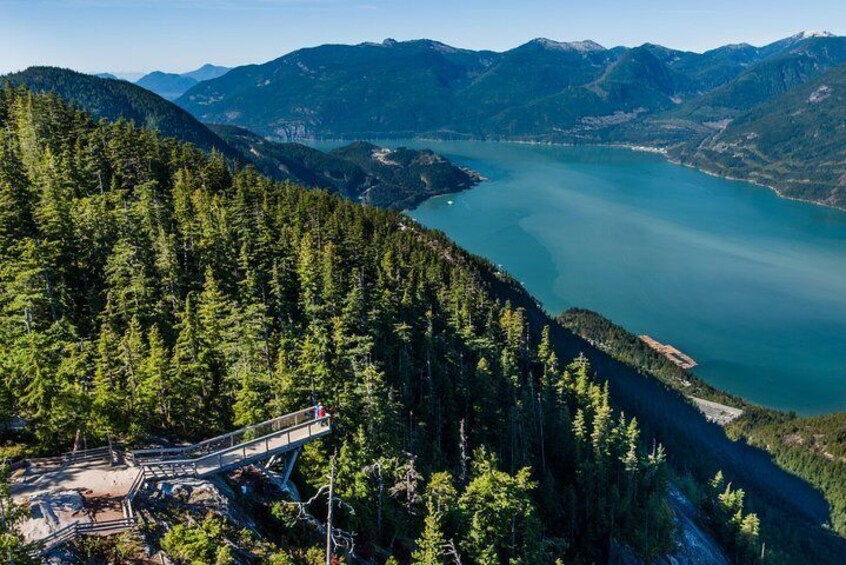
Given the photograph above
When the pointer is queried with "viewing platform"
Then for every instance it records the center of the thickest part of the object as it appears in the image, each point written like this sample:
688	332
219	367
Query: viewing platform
93	492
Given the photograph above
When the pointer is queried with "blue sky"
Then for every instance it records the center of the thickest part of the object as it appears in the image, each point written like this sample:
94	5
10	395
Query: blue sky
179	35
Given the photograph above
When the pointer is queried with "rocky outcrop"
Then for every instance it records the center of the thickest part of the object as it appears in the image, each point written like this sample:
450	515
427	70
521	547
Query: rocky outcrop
694	546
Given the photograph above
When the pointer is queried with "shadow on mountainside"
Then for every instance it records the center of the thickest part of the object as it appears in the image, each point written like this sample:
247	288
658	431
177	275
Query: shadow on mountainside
693	443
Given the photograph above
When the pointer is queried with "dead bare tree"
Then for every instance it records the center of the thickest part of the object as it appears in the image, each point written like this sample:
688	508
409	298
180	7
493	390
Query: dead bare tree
340	539
406	487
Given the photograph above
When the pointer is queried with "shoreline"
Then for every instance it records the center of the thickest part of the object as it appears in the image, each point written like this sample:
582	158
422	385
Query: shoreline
635	148
631	147
758	184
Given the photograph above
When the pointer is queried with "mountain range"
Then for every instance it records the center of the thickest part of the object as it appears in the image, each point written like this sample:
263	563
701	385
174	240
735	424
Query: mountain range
794	142
544	90
173	85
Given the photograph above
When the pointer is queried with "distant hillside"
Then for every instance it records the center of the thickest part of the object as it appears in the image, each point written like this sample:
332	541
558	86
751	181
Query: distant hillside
173	85
395	179
166	85
803	61
296	162
356	91
405	177
415	87
795	142
412	177
765	74
206	72
115	99
549	91
710	69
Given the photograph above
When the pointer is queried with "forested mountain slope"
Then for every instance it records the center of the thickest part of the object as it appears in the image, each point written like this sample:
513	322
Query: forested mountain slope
394	179
761	82
795	143
115	99
813	448
411	177
403	87
543	90
407	88
145	289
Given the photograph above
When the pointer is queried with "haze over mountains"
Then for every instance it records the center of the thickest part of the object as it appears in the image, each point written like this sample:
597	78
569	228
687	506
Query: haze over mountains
173	85
544	90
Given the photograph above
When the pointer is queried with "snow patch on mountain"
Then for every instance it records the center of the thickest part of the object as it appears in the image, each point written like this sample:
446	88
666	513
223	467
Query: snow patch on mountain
585	46
807	34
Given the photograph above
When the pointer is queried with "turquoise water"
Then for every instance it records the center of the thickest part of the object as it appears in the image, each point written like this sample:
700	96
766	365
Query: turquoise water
750	285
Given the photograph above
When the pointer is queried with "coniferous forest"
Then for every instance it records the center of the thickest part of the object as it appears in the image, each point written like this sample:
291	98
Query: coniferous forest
148	290
152	291
813	448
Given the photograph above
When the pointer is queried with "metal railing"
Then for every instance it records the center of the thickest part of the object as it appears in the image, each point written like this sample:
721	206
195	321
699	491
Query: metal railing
215	444
71	531
142	456
95	454
242	453
134	489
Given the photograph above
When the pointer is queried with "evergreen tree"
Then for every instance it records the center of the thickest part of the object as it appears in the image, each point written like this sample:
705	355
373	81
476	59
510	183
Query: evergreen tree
191	374
430	546
155	389
500	513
